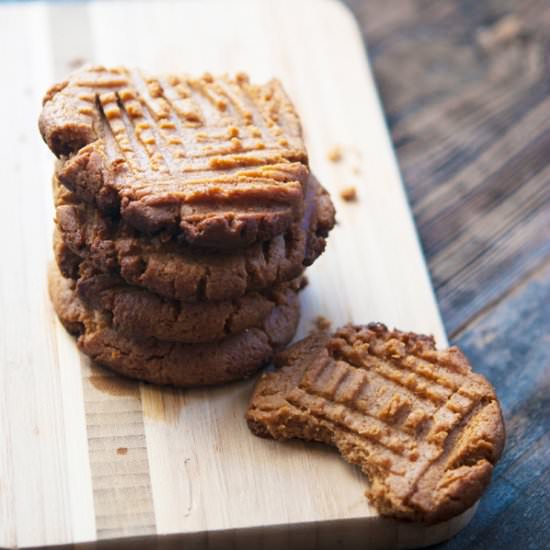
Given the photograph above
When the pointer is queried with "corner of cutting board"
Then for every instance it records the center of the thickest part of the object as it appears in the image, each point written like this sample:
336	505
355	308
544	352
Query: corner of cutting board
336	9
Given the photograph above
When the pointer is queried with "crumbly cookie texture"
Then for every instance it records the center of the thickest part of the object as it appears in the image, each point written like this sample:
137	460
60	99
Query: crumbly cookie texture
160	362
217	160
139	313
424	428
180	272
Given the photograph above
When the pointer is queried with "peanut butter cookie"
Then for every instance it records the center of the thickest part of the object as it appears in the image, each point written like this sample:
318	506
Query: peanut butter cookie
425	429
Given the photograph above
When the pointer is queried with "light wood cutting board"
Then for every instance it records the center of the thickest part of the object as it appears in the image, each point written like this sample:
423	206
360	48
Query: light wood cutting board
87	456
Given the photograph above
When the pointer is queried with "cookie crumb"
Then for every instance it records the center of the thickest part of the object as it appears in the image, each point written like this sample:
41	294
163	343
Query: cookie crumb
335	154
321	322
349	194
122	451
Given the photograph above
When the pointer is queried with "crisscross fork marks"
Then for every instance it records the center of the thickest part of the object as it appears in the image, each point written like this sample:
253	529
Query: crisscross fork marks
424	428
233	116
216	160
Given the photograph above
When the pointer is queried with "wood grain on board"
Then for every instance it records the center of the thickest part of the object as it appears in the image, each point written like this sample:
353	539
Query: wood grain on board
88	456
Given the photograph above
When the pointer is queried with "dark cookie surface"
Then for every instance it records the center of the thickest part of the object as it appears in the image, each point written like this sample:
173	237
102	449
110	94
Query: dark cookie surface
425	429
181	272
219	161
159	362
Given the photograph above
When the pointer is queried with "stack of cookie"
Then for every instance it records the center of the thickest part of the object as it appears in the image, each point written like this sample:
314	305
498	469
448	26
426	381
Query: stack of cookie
185	216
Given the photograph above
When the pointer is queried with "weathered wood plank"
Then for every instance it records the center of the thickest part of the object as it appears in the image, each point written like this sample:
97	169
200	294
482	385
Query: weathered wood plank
509	346
465	86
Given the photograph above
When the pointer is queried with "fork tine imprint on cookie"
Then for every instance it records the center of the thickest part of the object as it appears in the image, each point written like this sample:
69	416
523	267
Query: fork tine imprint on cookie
425	429
219	160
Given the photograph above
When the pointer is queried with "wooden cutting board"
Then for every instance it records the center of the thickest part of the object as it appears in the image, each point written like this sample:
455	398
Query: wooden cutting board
88	456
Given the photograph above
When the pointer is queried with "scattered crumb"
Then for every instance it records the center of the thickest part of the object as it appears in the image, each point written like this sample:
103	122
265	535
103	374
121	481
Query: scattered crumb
349	194
356	170
122	451
321	322
335	154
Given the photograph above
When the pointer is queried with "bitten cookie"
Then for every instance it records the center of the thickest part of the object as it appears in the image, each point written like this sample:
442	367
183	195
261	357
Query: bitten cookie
185	273
425	429
159	362
216	160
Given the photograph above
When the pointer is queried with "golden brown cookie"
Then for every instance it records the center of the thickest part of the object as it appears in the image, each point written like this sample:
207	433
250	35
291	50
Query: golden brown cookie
216	160
159	362
181	272
425	429
138	313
